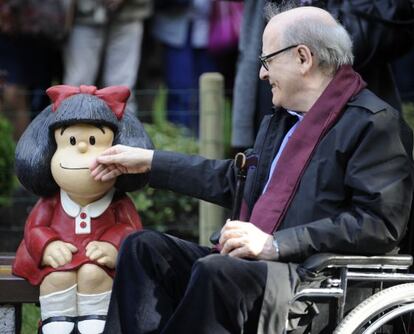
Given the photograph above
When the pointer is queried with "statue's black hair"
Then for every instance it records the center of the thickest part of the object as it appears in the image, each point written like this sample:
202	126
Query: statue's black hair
37	145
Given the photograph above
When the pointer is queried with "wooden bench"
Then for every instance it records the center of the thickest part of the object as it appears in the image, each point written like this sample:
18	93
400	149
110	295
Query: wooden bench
14	291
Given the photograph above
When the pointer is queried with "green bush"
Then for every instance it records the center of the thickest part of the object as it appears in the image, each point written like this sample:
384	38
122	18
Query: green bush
164	210
408	112
6	161
30	318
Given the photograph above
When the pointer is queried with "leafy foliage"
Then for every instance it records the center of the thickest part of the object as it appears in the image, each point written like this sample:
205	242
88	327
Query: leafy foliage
7	146
30	318
408	112
164	210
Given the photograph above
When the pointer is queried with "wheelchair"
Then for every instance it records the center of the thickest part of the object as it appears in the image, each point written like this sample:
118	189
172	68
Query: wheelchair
389	309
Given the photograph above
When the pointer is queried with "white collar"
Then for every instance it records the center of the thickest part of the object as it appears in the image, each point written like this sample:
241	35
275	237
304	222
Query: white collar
94	209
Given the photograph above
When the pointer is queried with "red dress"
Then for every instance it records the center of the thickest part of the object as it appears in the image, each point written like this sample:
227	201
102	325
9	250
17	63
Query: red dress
48	221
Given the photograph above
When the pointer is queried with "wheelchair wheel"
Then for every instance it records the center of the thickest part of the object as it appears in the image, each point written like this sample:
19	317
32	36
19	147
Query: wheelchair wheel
389	311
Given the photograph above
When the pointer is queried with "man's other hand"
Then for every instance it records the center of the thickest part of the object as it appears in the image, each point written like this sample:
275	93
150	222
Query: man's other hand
245	240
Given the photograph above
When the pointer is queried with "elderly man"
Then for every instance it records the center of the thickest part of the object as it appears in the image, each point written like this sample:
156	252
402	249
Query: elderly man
334	174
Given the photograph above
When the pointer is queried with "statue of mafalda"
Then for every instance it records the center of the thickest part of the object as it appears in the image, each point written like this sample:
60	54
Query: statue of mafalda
73	233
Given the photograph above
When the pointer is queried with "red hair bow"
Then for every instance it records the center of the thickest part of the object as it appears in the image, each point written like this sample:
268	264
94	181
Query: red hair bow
115	96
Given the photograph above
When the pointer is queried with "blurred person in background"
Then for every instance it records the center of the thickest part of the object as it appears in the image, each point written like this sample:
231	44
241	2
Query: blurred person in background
106	40
224	33
404	78
182	27
30	32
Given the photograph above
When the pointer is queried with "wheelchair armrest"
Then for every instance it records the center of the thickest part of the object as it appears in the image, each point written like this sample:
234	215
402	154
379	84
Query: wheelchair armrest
318	262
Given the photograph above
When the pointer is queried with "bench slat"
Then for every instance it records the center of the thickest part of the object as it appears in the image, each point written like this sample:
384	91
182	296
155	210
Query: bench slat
13	289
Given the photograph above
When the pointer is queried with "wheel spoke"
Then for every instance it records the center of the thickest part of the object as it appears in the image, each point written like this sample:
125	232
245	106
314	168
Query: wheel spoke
387	312
388	316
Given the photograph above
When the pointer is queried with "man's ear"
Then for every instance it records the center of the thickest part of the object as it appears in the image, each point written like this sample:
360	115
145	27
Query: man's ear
305	58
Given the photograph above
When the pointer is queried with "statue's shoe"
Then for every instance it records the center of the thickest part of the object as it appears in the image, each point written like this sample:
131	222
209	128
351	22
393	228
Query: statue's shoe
59	324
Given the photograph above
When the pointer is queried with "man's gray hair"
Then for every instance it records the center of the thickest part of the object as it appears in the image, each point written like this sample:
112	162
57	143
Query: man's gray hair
331	45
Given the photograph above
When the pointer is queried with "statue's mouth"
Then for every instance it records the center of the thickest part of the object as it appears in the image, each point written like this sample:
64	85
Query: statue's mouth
73	168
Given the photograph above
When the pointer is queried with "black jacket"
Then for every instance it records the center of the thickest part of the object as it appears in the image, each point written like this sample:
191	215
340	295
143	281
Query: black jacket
354	197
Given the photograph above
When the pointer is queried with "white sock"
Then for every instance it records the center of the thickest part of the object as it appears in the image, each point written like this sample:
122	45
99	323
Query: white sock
60	303
96	304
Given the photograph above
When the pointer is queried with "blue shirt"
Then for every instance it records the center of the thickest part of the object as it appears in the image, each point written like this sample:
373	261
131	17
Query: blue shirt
282	146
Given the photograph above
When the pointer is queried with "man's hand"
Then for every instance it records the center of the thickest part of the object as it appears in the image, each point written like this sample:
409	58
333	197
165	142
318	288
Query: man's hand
58	253
244	240
120	159
102	252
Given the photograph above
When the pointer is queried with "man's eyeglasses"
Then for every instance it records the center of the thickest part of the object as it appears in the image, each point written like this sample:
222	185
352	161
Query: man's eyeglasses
264	59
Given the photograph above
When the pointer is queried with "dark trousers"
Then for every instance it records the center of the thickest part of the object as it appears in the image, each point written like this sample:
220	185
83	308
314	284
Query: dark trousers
167	285
183	67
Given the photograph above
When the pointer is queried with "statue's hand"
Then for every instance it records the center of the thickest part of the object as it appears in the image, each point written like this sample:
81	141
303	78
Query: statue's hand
102	252
58	253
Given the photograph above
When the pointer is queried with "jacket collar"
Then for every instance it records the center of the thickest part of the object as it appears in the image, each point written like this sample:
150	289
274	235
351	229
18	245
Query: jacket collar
94	209
368	100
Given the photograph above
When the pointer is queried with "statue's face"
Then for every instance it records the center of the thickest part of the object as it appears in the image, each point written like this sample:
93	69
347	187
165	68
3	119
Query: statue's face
77	146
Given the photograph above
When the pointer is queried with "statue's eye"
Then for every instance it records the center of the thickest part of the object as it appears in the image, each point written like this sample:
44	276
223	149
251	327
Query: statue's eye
72	140
92	140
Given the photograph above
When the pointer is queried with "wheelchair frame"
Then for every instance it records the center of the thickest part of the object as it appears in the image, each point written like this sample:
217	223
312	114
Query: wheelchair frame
340	270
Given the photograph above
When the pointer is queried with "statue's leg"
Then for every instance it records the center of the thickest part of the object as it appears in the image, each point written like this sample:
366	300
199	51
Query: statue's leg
58	302
94	292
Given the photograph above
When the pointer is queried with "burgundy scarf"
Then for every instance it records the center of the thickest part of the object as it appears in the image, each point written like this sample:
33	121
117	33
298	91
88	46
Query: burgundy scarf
271	207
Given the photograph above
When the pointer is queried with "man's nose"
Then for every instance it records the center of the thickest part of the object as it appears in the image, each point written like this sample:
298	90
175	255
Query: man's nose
263	73
82	147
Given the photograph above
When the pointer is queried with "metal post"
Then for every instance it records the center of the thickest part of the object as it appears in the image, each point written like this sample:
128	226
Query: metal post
341	300
211	145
